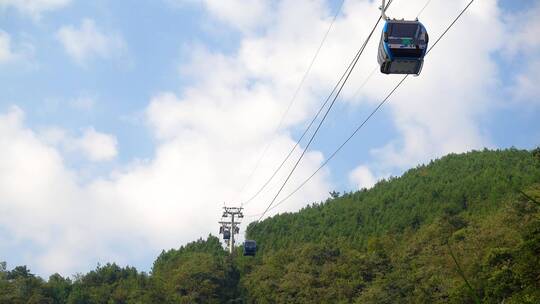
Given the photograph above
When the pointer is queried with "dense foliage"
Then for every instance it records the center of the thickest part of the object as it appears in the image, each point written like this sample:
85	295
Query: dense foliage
462	229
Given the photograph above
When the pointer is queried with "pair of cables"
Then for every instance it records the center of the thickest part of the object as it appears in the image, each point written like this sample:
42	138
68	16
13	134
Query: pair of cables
332	96
284	115
333	154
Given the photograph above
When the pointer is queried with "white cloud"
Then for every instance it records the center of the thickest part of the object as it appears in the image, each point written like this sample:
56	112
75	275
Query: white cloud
523	46
97	146
362	177
94	146
243	15
34	8
36	189
54	136
89	41
158	203
523	32
208	141
6	51
526	86
84	103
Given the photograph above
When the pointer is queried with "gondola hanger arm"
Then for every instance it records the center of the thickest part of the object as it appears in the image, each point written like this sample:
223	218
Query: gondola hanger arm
383	10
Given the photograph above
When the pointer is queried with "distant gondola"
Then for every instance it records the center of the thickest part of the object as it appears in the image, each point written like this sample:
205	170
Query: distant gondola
402	47
250	248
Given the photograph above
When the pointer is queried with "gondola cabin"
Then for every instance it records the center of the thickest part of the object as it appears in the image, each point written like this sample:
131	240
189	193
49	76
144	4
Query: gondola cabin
402	47
250	248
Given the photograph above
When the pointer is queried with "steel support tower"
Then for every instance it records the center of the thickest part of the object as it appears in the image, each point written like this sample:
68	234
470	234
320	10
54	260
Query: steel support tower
232	213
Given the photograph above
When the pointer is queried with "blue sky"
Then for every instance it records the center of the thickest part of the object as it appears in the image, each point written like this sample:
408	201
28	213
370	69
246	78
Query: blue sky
125	129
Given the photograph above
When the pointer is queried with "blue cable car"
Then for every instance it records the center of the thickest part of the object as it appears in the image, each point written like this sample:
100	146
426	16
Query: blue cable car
402	47
250	248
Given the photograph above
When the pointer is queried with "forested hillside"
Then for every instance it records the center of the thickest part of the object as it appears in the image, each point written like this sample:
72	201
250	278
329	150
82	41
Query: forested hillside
461	229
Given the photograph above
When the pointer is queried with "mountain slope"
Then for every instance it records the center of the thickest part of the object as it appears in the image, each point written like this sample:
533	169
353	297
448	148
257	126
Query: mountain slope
461	229
392	244
474	182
